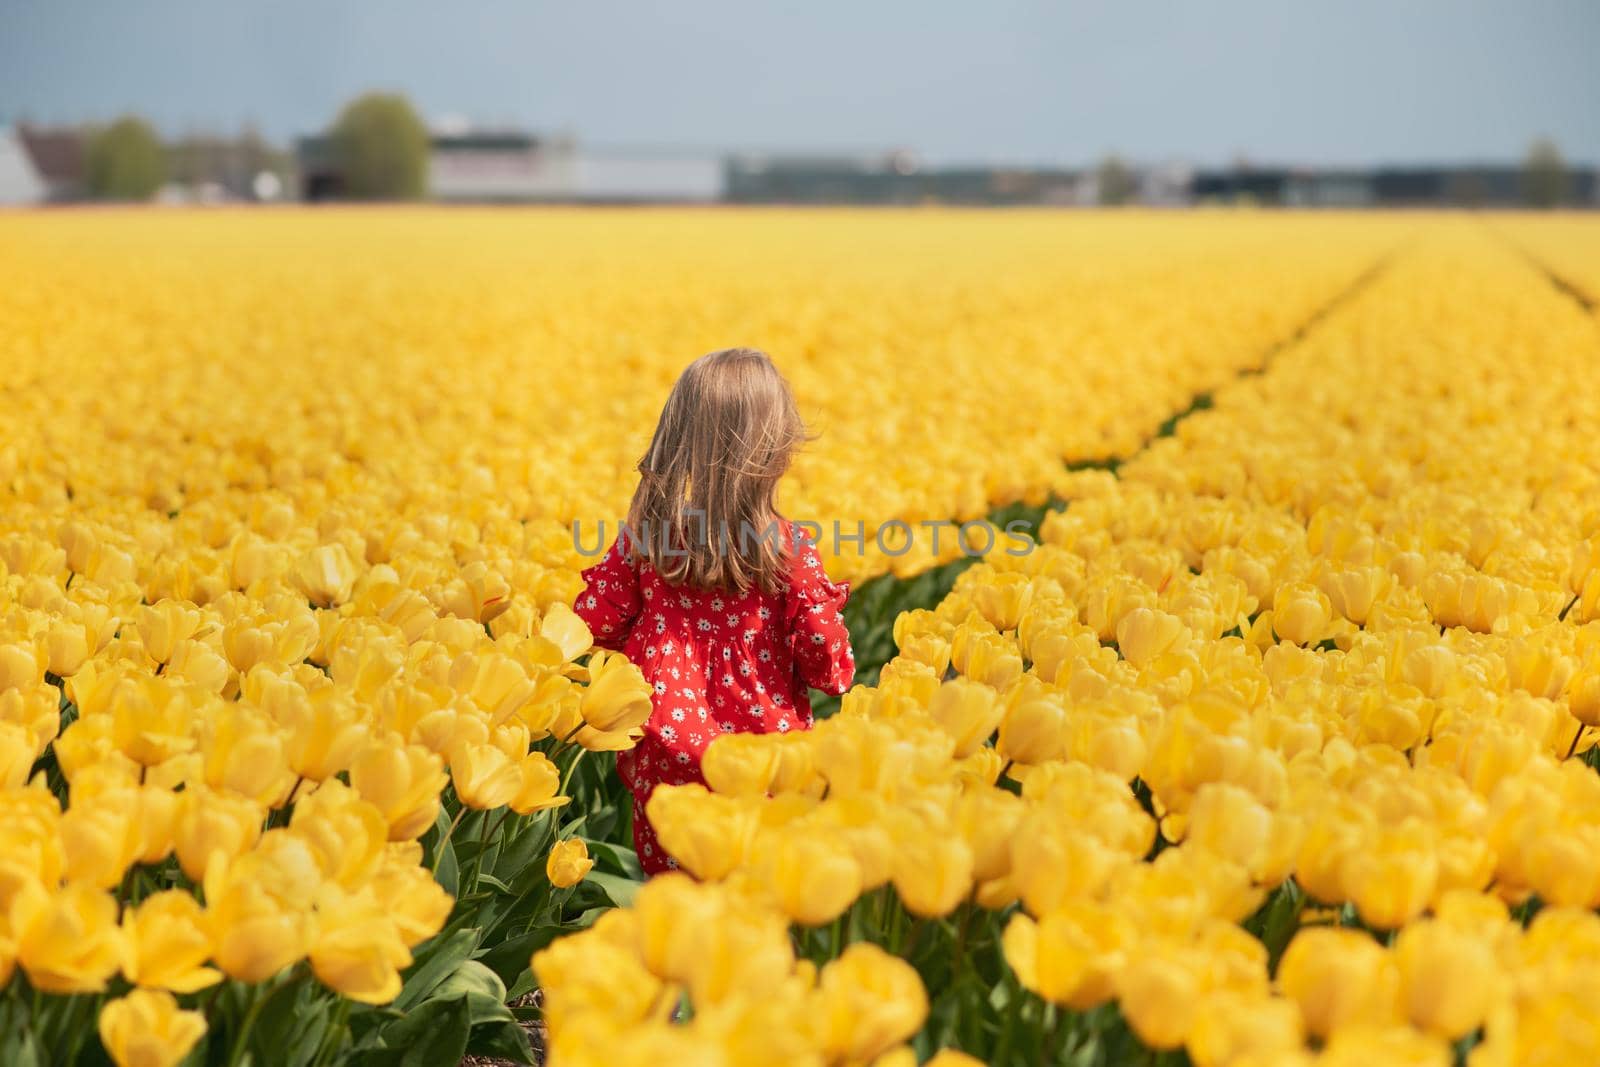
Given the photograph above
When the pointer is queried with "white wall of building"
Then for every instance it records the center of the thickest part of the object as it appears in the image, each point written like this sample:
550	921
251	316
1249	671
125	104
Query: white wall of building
624	176
19	182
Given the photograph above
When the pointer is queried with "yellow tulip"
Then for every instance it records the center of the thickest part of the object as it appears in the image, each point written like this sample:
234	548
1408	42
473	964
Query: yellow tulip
403	781
154	720
1034	729
163	625
17	753
147	1029
596	970
168	943
1003	599
101	839
1448	978
347	834
568	862
541	785
326	575
1339	977
708	834
815	876
255	934
322	735
617	697
1234	1027
869	1001
356	950
485	777
211	824
1158	994
985	656
932	871
243	753
968	712
740	764
1071	956
1145	633
1301	613
67	939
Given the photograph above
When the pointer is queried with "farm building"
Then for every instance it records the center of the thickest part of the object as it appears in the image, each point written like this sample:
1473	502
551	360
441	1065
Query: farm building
490	166
40	164
1448	186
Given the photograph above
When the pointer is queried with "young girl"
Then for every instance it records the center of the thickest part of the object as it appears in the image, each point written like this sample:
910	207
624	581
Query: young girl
707	589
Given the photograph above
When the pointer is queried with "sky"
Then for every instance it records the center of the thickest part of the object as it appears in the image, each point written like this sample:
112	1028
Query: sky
1001	81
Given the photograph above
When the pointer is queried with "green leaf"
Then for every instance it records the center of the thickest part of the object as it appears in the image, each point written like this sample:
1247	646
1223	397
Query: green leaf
432	1034
484	990
619	891
509	958
291	1026
615	858
447	871
505	1040
434	963
494	883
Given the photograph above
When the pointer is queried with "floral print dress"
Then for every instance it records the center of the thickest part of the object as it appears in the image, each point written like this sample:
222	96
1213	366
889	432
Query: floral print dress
721	662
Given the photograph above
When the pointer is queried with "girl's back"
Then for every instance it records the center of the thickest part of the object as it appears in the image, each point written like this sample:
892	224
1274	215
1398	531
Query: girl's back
723	661
731	631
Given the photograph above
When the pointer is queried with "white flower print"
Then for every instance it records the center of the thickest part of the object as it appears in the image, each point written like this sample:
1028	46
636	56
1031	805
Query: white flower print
716	604
677	715
669	733
783	726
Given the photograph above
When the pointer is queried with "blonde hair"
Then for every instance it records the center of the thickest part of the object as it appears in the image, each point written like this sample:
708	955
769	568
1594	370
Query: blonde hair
704	511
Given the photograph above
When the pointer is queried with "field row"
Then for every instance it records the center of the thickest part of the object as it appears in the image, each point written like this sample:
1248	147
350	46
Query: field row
1277	750
364	369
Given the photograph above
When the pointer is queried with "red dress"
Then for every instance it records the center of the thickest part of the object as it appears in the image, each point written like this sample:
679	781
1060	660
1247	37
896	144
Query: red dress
721	662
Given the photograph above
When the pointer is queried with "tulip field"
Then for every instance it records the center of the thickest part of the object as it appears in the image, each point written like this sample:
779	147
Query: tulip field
1278	747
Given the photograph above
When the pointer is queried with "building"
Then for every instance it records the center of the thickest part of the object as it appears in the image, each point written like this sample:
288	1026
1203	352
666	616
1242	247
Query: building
1470	185
512	166
890	178
41	164
20	180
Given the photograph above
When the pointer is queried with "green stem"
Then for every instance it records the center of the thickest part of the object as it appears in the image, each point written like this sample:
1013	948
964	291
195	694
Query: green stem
1574	746
1563	616
328	1050
445	840
257	1003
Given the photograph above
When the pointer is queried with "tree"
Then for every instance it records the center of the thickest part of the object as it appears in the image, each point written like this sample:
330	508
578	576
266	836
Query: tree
125	161
1544	175
381	148
1115	181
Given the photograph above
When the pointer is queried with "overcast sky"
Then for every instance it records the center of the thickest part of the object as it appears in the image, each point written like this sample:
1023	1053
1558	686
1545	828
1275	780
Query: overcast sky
1340	81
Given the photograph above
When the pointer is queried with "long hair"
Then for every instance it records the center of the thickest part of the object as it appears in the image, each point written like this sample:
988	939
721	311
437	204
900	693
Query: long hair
705	509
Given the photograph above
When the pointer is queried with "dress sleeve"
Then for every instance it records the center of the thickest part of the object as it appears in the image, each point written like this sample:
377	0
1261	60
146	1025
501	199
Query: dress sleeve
817	633
610	599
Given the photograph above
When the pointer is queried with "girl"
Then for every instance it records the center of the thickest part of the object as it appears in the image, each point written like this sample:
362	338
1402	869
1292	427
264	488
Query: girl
707	589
